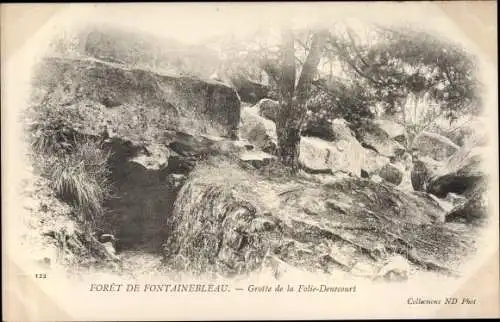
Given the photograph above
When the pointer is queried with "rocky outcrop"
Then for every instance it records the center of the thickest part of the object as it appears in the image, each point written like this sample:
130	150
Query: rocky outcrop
467	129
435	146
344	153
464	174
137	103
231	221
258	130
391	174
474	209
136	49
248	90
392	128
155	127
51	233
372	136
461	173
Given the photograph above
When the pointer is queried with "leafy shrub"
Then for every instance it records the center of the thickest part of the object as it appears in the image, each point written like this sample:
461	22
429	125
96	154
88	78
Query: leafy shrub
340	99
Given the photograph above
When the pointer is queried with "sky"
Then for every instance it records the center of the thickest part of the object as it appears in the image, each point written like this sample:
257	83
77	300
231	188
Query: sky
194	22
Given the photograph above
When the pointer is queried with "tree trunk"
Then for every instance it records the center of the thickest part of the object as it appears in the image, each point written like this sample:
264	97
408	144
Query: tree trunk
288	132
292	109
286	129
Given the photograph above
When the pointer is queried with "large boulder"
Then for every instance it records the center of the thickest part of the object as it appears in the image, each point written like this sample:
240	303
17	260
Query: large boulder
249	90
137	103
372	136
473	210
464	174
466	129
373	161
258	130
391	173
461	172
314	155
344	153
231	221
136	49
155	127
392	128
434	145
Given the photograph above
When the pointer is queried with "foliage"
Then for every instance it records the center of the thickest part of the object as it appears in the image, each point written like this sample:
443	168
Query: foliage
401	64
75	165
81	179
340	99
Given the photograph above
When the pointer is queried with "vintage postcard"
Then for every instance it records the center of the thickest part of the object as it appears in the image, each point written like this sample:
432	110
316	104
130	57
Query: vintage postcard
249	161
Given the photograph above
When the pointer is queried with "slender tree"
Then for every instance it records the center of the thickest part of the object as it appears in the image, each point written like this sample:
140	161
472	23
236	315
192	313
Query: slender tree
294	93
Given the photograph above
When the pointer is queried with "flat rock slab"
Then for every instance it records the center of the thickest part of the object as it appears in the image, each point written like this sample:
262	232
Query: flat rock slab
231	221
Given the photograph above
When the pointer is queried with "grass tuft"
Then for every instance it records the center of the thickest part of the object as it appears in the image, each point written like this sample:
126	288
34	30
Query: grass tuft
81	179
74	164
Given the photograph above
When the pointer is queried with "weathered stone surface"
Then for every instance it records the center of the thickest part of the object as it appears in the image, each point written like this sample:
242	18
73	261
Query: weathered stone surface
372	136
138	103
392	128
152	157
345	153
373	161
474	210
248	90
463	171
435	146
391	174
258	130
257	159
467	129
136	49
230	221
315	155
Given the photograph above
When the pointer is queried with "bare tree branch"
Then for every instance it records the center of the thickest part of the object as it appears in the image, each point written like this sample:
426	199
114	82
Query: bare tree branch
356	49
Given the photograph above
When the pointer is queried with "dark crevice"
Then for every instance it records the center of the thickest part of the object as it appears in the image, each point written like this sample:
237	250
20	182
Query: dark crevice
142	201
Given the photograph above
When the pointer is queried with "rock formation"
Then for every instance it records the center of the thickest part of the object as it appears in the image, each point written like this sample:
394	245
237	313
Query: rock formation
435	146
195	176
231	221
132	100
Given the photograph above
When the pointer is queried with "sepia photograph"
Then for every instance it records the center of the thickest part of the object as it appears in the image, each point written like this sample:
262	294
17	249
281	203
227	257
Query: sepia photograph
249	160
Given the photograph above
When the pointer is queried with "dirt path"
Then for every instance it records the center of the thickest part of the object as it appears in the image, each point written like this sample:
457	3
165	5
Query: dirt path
138	263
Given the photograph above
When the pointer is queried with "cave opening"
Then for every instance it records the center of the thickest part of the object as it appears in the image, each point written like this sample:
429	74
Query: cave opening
141	203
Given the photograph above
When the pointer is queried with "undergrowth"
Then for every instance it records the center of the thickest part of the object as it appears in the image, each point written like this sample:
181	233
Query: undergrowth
75	165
